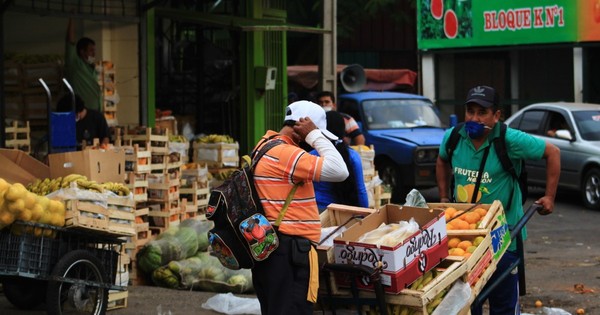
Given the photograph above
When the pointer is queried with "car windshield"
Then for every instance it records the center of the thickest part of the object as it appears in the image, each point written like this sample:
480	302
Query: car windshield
588	123
399	114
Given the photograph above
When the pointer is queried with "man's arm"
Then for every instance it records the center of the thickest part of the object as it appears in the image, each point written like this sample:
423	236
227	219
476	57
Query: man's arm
442	174
334	168
358	140
552	156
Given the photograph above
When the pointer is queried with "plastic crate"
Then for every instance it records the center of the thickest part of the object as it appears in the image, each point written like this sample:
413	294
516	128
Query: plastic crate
27	254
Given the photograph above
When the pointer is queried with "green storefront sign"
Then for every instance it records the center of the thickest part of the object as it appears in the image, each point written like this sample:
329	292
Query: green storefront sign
474	23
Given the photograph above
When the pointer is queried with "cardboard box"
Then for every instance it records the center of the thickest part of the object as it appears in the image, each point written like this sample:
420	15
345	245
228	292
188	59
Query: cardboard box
403	263
98	165
17	166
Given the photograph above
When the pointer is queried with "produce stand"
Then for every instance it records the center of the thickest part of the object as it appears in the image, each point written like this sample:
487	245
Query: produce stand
70	270
474	270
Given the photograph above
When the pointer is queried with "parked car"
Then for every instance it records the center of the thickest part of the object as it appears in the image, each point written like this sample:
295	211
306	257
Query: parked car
575	129
406	132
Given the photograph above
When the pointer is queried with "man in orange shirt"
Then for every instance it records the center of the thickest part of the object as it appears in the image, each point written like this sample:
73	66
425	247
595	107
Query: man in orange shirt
287	281
353	134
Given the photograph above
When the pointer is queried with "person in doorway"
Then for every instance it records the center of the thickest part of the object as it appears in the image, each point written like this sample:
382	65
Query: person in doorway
481	128
287	281
351	191
80	68
353	134
90	123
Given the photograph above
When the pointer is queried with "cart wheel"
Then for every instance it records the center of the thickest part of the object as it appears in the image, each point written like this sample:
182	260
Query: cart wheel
24	293
77	298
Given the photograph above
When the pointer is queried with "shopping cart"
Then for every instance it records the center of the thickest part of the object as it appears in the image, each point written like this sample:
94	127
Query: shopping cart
71	271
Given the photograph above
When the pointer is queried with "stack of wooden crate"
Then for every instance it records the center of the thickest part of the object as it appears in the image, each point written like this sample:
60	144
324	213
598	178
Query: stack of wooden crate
108	85
379	193
194	189
163	179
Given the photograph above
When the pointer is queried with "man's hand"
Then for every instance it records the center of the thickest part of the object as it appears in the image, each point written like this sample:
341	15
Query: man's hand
303	127
547	203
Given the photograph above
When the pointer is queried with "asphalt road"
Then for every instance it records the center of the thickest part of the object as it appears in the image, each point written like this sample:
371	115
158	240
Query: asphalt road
562	251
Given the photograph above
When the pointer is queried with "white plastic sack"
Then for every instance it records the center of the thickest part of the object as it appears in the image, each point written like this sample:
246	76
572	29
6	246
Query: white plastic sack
227	303
455	300
554	311
375	181
415	199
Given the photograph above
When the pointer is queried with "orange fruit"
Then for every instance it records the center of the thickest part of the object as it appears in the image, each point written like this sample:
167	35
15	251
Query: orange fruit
467	255
580	311
457	252
458	213
538	303
453	242
472	226
449	226
464	245
459	224
482	212
471	217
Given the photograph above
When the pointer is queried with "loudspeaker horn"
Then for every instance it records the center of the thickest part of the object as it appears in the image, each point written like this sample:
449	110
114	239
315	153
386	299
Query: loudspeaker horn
353	78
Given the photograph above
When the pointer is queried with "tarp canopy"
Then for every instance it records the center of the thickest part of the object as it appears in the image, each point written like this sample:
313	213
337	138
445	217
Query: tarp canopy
307	76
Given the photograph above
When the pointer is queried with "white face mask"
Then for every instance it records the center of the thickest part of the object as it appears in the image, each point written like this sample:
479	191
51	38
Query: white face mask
328	108
91	60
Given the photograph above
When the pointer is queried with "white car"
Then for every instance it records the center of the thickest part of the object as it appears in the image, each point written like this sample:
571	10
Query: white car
575	129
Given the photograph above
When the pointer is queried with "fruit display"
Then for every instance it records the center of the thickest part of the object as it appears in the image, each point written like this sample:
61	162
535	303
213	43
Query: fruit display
16	203
214	138
50	185
464	246
461	220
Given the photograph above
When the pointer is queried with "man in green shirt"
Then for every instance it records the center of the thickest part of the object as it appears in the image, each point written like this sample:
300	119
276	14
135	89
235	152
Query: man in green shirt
80	68
482	126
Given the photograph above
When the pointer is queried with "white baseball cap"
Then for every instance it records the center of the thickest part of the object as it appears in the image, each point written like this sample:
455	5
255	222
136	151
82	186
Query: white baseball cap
302	109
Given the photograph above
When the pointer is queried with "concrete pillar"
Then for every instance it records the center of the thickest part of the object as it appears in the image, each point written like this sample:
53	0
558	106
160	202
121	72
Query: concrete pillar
578	74
428	75
327	69
514	81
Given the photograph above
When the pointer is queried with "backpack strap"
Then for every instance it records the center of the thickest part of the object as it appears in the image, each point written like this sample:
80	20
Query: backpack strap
453	141
257	155
502	152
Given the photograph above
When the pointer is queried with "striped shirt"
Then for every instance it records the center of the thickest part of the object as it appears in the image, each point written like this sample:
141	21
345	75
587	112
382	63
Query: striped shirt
275	175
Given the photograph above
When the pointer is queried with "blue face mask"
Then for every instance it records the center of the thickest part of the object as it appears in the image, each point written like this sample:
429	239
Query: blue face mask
474	129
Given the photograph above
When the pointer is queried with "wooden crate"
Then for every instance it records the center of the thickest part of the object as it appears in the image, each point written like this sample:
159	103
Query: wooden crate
122	222
217	155
196	197
86	215
117	299
367	158
137	159
448	272
156	138
18	136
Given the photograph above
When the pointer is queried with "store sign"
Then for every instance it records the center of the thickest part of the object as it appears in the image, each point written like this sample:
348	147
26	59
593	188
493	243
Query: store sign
472	23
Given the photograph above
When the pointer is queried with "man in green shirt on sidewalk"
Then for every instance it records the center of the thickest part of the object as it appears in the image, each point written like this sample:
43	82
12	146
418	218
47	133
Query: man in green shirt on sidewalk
80	68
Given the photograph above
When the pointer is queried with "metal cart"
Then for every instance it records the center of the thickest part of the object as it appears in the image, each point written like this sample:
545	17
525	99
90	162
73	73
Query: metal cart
70	270
328	299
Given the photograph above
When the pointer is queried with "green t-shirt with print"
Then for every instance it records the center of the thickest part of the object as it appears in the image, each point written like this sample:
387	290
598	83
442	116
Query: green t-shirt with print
496	184
83	78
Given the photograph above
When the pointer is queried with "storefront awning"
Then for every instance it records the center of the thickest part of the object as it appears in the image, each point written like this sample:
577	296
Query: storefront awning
307	76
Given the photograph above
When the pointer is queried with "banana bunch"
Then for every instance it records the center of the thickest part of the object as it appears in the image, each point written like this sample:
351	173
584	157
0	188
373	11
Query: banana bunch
117	188
214	138
424	280
89	185
223	173
49	185
436	300
178	138
401	310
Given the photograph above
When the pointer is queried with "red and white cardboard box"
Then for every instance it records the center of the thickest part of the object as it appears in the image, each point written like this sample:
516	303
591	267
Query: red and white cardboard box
403	263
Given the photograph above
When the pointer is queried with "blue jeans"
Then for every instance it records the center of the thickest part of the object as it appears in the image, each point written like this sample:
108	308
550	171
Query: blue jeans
504	299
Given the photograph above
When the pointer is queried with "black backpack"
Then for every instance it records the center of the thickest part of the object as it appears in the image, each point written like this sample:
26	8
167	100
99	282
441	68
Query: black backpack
241	234
500	148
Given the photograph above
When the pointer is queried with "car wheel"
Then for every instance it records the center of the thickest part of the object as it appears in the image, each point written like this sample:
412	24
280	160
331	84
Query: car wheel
390	175
591	189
